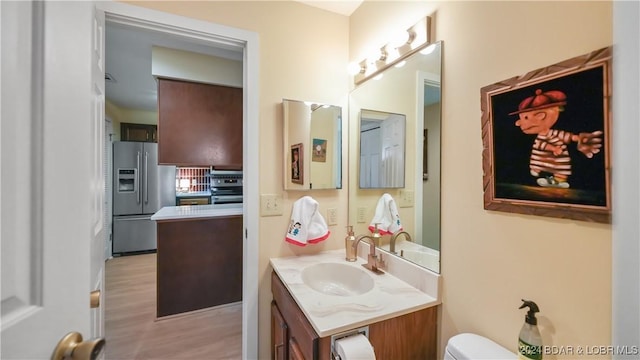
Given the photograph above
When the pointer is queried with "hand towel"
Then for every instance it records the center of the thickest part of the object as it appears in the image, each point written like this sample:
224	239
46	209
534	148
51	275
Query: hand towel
307	224
386	216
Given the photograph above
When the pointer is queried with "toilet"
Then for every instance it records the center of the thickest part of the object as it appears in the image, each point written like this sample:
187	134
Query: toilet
468	346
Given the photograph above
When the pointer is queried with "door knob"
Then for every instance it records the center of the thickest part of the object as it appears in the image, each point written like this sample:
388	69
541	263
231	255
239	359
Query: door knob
71	346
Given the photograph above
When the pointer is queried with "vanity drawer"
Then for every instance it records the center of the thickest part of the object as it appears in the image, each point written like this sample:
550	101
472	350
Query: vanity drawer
303	340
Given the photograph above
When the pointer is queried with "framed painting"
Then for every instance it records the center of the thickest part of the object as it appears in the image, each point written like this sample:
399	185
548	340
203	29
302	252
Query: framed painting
319	153
546	140
297	168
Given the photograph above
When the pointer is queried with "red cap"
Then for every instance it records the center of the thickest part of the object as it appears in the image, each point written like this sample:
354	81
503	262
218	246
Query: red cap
541	100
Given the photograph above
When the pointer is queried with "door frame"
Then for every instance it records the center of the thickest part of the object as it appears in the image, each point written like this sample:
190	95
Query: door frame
222	36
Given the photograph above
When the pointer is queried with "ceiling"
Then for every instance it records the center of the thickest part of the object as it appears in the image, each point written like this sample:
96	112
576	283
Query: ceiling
129	83
341	7
128	63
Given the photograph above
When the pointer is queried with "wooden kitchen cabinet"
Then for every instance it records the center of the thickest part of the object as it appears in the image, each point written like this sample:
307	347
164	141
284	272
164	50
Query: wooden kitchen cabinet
199	124
138	132
410	336
199	263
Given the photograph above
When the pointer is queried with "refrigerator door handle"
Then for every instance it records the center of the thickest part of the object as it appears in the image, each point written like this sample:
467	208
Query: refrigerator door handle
138	176
146	177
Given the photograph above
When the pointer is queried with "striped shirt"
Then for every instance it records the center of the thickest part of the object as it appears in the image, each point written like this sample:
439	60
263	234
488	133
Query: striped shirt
543	160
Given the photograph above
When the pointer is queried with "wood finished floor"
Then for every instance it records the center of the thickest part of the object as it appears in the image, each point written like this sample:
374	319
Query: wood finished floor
132	331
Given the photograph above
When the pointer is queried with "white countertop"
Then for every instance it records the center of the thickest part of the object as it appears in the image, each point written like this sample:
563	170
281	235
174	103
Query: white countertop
329	314
195	211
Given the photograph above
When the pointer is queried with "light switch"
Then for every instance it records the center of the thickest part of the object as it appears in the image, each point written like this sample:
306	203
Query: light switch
270	205
332	216
405	198
362	215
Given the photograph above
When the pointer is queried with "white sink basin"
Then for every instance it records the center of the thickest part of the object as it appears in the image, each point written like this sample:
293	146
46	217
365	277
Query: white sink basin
422	258
337	279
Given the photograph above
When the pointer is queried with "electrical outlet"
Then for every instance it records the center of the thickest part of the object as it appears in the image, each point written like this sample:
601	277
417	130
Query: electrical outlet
408	198
332	216
361	216
405	198
270	205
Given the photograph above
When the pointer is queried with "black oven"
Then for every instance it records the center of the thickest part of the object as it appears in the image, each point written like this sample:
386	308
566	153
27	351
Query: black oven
226	188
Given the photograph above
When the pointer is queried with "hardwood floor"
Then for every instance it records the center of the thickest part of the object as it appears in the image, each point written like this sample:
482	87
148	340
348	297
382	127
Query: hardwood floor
132	331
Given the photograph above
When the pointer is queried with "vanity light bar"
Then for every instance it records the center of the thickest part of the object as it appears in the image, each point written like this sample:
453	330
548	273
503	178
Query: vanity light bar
417	37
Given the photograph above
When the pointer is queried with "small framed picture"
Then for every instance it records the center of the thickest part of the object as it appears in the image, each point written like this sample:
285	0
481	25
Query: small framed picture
547	140
319	153
297	168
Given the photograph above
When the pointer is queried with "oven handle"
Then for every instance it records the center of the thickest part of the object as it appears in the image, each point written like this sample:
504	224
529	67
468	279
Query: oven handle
225	199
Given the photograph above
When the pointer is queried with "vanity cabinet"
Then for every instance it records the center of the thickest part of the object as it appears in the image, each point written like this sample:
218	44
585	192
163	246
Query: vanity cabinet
409	336
199	124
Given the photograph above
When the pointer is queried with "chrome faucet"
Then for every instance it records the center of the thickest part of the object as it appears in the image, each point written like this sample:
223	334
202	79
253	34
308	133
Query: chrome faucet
392	242
374	261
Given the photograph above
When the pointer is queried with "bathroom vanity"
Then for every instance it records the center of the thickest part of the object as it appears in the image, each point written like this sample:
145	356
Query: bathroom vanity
308	309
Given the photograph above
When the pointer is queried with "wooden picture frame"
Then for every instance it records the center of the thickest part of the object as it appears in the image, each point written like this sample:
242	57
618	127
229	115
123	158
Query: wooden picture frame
319	150
297	164
546	140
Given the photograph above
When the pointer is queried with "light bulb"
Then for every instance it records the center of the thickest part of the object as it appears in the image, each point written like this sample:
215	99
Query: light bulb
354	68
400	64
399	39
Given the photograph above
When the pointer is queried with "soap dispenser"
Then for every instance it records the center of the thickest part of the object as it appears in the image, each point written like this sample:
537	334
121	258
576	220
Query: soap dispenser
349	241
530	341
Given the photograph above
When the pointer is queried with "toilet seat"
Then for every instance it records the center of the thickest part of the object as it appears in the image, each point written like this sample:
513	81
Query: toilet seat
467	346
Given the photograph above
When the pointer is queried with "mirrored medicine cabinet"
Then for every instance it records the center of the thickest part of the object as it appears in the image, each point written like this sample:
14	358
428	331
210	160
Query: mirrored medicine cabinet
411	93
312	145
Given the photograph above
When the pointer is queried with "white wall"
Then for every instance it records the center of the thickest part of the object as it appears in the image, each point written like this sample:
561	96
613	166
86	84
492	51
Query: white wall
190	66
626	200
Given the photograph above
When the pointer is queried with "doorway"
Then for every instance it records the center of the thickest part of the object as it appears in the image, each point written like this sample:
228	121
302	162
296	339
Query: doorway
216	36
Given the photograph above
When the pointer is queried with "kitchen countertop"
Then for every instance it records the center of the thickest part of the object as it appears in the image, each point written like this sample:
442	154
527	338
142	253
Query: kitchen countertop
195	212
329	314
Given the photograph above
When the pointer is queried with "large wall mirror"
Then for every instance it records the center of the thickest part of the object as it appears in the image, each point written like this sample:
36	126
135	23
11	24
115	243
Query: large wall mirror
312	145
413	92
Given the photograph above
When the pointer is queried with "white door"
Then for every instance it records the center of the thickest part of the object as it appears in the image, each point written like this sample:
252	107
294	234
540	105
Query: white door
392	142
51	183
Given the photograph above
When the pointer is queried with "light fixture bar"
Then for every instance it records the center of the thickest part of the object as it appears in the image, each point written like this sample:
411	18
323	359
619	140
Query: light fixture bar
419	36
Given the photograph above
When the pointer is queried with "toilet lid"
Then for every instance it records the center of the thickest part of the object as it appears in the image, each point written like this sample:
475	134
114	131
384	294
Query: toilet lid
471	346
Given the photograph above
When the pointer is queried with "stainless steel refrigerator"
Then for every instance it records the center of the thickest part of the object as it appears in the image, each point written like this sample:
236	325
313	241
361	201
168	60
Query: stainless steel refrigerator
141	187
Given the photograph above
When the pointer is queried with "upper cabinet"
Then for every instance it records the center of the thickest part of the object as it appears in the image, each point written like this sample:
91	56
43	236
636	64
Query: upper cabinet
199	124
138	132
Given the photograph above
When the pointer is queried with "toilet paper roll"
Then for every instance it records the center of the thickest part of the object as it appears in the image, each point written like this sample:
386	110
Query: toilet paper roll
356	347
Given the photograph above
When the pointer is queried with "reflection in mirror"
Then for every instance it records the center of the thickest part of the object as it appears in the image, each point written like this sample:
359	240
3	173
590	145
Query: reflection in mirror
413	90
381	149
313	145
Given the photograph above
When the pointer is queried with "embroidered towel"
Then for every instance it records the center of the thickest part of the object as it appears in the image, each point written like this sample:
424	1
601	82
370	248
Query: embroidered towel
307	224
386	216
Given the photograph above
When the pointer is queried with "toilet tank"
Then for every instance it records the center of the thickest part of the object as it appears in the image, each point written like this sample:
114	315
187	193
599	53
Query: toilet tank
468	346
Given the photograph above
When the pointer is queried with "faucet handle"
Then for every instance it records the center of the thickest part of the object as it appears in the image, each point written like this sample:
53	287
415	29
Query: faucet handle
380	262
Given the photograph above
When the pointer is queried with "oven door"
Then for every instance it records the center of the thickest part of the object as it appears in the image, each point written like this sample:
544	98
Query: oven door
226	199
